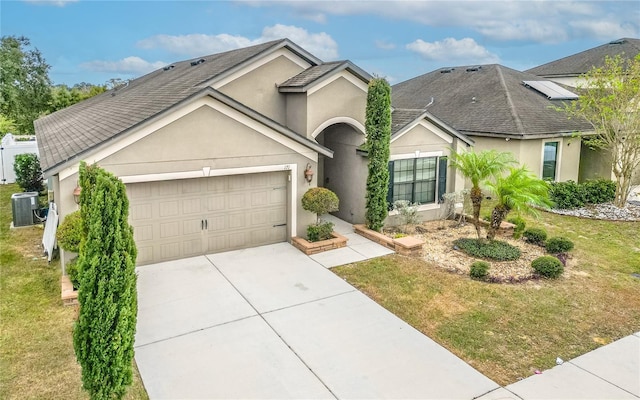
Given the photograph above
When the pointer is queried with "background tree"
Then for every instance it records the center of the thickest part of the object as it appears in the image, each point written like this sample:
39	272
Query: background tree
28	172
62	96
477	167
6	126
378	132
24	83
103	336
610	101
519	191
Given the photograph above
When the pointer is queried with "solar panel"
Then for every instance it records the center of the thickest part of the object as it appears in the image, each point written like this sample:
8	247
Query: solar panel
552	90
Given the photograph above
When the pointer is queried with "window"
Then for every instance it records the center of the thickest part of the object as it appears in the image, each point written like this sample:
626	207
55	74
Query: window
417	180
549	161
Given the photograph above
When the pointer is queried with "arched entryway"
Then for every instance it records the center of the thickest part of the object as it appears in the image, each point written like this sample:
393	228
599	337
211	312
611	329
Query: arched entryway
346	173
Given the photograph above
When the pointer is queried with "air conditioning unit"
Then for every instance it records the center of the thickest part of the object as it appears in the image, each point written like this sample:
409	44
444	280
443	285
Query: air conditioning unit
24	206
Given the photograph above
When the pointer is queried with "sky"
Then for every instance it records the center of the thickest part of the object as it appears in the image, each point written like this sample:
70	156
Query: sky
94	41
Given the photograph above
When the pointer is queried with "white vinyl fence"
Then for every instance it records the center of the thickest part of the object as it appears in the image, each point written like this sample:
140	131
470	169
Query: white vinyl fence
9	149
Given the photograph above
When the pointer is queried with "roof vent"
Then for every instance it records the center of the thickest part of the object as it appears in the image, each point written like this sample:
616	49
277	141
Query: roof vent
200	61
446	70
619	41
472	69
169	67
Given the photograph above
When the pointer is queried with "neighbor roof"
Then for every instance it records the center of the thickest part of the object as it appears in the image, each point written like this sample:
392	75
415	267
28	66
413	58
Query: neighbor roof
73	131
486	100
584	61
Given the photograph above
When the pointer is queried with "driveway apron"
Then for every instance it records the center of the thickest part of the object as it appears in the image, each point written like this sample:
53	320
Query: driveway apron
272	323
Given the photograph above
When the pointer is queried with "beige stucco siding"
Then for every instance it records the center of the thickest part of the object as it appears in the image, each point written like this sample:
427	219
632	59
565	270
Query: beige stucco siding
257	89
338	98
203	138
420	138
530	153
297	112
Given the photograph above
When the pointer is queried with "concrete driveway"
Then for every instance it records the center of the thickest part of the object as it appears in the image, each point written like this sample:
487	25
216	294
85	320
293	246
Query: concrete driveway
272	323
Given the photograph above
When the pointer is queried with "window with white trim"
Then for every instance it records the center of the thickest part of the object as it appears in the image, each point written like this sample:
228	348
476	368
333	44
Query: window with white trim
417	180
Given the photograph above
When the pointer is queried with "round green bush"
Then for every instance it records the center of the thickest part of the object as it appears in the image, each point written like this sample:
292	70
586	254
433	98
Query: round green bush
70	232
559	244
535	235
548	266
319	231
492	249
479	270
320	201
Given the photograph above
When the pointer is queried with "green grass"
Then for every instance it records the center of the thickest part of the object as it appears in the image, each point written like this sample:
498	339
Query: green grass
508	331
37	360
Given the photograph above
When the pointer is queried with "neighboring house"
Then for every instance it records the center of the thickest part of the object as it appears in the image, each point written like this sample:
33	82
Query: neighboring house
214	150
502	109
567	71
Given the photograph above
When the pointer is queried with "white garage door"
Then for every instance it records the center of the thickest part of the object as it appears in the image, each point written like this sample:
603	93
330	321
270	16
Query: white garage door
189	217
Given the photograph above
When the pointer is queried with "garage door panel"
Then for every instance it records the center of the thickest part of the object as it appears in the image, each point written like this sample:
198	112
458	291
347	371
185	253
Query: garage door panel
183	218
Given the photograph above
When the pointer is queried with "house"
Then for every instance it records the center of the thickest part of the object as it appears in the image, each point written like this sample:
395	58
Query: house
567	71
502	109
216	152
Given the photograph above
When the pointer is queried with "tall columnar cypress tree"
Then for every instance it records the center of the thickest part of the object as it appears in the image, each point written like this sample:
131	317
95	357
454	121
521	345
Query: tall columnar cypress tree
378	131
104	333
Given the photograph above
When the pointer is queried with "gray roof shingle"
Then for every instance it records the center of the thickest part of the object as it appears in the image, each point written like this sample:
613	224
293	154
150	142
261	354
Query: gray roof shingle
70	132
580	63
489	101
304	79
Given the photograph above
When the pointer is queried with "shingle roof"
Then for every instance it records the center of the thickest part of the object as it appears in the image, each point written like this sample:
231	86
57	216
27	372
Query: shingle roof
486	101
580	63
72	131
304	79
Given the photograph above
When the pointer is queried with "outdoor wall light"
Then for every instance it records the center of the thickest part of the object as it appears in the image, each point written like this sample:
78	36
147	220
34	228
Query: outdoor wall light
308	173
76	194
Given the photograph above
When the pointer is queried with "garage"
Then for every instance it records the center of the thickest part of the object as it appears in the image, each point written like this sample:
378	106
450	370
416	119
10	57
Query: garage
187	217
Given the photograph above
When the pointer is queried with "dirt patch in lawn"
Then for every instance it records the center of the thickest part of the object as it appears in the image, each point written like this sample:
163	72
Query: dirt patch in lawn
439	237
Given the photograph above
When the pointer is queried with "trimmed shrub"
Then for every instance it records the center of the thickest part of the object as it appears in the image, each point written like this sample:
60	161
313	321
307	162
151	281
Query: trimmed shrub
567	195
492	250
407	211
479	270
548	266
320	201
319	231
520	224
558	244
535	236
28	172
599	191
70	232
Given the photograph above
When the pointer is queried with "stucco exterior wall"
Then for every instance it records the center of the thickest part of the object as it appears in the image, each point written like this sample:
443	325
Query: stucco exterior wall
257	89
346	173
594	164
203	138
529	153
296	112
339	98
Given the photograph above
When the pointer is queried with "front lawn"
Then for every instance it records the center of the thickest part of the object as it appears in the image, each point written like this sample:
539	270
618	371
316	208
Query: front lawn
36	345
507	331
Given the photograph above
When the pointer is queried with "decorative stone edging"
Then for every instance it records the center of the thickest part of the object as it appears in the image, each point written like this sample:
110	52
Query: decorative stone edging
407	246
310	248
69	296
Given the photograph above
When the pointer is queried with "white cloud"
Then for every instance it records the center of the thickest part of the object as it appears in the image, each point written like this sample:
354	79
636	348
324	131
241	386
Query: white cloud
57	3
129	65
384	45
605	30
195	44
546	21
464	51
319	44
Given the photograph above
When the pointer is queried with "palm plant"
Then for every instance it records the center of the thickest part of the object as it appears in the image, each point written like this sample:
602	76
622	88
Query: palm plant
519	191
477	167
